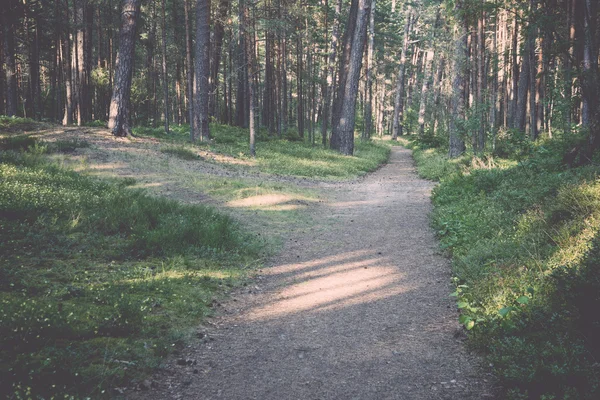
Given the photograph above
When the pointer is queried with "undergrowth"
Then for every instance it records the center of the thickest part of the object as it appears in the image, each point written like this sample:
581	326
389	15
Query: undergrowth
523	236
289	155
98	281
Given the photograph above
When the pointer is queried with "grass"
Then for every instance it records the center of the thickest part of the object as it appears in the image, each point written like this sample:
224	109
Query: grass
523	236
283	156
182	152
99	282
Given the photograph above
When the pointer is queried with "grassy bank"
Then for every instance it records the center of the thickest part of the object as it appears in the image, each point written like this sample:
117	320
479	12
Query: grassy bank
289	155
523	236
98	282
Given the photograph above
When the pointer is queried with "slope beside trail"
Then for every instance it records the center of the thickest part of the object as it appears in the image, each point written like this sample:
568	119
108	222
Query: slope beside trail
355	307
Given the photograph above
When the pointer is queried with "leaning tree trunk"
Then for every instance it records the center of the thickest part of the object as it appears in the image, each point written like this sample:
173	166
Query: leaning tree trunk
202	70
344	128
118	121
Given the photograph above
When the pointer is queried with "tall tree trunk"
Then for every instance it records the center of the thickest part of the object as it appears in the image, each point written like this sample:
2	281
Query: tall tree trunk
202	70
344	129
299	85
330	72
250	55
343	71
590	87
479	136
515	74
68	73
399	98
369	85
217	50
164	67
523	85
461	58
8	43
119	115
190	68
425	91
241	106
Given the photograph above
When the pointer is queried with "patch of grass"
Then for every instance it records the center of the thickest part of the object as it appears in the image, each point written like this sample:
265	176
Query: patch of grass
17	124
524	240
289	156
99	282
185	153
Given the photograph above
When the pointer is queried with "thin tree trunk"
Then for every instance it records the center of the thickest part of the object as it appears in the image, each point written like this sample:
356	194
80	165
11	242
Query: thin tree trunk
461	58
219	34
250	54
369	85
202	70
330	72
164	68
8	39
425	91
118	121
190	68
399	98
523	85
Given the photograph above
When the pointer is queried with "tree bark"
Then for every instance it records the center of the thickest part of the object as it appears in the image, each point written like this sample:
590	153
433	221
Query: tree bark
330	72
344	129
190	68
8	43
217	50
399	98
119	116
369	85
164	67
461	58
250	54
425	91
202	70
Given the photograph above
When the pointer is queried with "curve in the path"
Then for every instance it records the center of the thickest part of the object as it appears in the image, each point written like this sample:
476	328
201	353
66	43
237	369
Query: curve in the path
358	309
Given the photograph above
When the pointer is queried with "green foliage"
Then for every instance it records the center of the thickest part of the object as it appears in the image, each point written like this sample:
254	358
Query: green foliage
16	124
98	282
183	152
287	156
524	241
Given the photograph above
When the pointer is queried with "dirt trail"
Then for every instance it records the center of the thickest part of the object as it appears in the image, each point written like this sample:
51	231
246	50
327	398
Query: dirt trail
354	308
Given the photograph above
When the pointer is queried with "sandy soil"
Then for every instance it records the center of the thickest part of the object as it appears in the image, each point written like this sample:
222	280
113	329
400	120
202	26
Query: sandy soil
355	306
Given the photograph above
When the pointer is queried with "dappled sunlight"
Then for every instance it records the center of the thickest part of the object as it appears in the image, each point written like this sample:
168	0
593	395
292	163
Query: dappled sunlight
261	200
271	202
333	282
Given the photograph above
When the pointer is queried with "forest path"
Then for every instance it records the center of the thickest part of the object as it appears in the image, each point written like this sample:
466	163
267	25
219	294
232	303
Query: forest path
355	307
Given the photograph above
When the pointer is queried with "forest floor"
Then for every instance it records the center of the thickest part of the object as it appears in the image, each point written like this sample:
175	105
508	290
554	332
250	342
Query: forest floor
355	304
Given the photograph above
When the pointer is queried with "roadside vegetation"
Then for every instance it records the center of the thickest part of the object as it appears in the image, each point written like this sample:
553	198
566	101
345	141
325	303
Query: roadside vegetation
100	281
522	231
289	155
